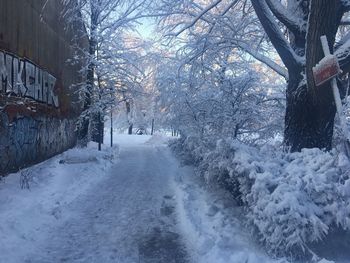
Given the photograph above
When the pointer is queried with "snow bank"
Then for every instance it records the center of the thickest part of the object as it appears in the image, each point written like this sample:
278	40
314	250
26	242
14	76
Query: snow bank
28	215
292	199
210	222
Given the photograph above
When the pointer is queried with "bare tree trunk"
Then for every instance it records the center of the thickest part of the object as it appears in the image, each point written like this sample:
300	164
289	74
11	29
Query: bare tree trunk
83	133
100	131
130	129
98	123
128	110
111	127
307	124
152	129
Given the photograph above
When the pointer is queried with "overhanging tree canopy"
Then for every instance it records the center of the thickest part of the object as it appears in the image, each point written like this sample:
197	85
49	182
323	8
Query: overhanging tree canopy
292	28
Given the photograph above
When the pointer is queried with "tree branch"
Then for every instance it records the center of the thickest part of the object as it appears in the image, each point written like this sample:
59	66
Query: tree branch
294	25
343	53
283	48
199	16
264	59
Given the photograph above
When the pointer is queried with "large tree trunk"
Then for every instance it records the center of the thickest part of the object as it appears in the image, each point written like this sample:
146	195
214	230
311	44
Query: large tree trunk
83	133
310	110
128	111
308	122
130	129
152	127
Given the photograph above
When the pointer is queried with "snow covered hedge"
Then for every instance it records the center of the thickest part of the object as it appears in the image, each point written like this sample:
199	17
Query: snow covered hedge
292	199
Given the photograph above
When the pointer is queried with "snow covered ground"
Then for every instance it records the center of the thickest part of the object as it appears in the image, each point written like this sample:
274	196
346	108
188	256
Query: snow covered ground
29	217
130	203
100	210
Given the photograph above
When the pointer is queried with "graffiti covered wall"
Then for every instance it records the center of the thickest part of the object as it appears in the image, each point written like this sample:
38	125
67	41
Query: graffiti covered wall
38	107
22	78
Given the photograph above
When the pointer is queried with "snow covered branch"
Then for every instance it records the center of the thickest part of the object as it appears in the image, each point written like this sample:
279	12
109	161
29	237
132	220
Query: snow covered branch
343	53
285	17
264	59
283	48
198	17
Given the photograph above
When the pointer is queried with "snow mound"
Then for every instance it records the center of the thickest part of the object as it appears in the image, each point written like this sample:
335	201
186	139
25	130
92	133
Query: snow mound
79	155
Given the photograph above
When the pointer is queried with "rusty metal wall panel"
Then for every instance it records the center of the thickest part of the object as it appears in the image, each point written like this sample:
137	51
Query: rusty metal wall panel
30	31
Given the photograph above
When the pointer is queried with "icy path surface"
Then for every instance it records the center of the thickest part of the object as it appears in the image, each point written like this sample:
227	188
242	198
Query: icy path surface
124	218
126	215
143	207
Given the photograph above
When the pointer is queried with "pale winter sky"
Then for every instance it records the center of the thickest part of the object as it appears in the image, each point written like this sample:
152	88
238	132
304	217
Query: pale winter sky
146	28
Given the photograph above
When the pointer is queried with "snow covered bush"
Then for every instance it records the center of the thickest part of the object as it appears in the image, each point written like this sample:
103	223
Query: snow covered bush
291	199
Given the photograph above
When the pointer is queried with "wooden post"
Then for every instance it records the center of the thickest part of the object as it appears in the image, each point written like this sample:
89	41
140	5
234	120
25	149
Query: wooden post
100	133
335	90
152	130
111	128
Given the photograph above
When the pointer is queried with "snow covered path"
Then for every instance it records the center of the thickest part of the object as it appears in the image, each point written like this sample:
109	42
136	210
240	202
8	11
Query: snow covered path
127	217
144	207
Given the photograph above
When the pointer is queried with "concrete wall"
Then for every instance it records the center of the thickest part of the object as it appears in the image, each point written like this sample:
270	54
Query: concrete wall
30	130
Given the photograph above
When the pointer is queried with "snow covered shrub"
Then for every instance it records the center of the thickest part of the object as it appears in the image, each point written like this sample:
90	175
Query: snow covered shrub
215	168
295	199
190	150
291	199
